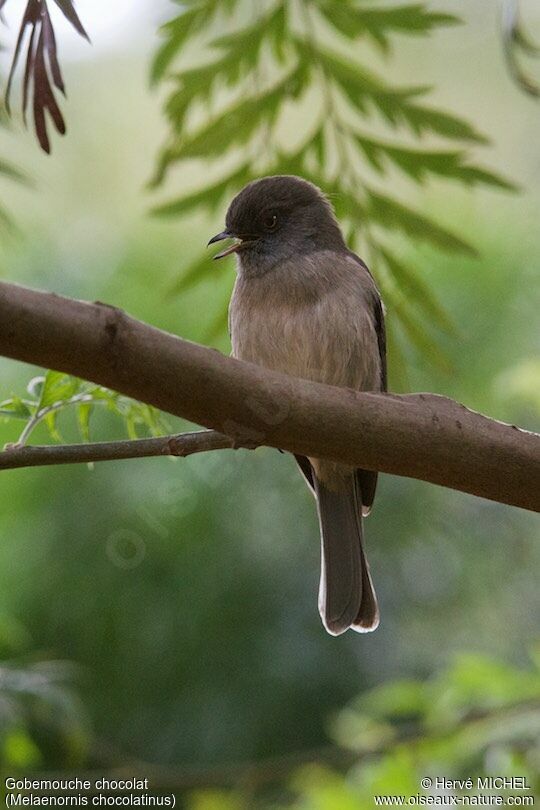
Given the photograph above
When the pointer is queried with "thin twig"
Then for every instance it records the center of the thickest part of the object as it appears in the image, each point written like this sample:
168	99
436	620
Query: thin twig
183	444
42	414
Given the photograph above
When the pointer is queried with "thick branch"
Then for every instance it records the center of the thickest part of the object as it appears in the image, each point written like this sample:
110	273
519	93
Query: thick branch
421	436
183	444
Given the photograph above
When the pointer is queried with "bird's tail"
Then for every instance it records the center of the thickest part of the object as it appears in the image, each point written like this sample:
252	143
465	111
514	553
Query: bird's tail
346	594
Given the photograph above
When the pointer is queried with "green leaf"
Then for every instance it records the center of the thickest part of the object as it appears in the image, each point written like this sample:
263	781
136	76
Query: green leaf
16	408
361	86
51	421
251	39
278	35
427	119
57	391
392	215
319	146
176	32
239	59
197	83
417	164
104	395
131	425
58	387
84	413
145	415
196	86
396	104
237	124
378	23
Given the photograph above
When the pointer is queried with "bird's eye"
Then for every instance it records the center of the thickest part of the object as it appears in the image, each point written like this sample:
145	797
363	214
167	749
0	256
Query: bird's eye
270	222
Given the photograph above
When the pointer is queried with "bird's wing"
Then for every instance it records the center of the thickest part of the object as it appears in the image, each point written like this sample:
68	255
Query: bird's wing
367	479
307	471
378	319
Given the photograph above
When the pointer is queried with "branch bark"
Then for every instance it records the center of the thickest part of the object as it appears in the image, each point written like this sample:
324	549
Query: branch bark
421	436
182	444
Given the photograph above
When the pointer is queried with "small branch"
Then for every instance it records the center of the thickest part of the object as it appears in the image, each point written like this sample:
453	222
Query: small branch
183	444
42	414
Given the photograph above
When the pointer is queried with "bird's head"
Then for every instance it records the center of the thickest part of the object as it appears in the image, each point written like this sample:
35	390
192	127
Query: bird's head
276	218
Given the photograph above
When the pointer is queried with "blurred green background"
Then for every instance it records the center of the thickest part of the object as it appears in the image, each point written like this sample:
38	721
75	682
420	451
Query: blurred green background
183	594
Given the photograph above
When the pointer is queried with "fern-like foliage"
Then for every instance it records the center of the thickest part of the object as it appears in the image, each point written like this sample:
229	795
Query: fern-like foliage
55	393
282	89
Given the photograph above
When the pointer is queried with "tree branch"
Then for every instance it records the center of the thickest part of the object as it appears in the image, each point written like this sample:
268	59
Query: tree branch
421	436
183	444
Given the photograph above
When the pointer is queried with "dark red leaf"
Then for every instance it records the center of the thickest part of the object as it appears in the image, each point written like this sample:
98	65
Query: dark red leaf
44	98
42	70
50	45
31	17
68	10
29	69
41	126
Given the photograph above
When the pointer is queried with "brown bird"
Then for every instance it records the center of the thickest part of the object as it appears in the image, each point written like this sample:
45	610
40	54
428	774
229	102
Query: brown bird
306	305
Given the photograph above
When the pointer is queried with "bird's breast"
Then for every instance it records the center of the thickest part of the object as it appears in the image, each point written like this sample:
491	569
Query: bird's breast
312	326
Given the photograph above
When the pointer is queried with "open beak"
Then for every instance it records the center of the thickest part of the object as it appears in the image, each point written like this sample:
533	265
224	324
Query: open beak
219	238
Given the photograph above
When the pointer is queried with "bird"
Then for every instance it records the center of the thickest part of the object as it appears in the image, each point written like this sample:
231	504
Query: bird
306	305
